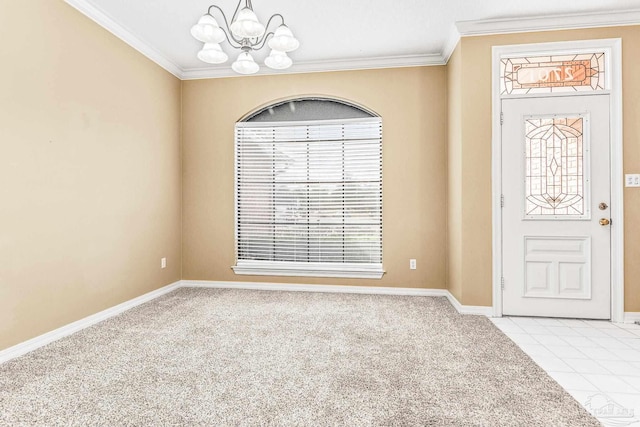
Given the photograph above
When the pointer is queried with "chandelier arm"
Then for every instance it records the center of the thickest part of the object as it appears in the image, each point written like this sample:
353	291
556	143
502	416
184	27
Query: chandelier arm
271	19
230	35
264	39
235	14
231	39
262	42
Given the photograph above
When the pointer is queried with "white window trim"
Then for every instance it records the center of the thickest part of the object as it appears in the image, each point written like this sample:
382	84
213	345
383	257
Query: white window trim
281	268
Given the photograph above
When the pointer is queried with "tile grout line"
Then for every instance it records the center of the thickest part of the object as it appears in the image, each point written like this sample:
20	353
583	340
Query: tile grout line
574	381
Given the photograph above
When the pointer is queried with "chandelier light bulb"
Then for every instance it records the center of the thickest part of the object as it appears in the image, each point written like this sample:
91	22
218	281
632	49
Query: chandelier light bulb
278	60
247	25
207	30
283	40
212	53
245	64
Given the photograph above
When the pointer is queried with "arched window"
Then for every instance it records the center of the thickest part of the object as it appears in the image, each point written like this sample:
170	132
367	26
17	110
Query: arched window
309	190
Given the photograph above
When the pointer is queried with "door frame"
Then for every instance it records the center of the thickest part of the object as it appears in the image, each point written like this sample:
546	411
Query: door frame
613	49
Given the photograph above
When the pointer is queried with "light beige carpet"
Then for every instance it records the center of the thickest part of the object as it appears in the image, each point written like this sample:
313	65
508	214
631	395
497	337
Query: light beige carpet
232	357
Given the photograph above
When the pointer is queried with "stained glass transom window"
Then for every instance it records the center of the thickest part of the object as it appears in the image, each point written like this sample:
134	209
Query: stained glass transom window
555	152
547	74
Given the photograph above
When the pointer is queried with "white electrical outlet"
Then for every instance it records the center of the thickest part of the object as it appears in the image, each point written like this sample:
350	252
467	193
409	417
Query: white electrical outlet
163	263
412	264
632	180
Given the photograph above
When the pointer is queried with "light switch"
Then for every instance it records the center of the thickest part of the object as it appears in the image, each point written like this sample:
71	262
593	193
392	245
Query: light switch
632	180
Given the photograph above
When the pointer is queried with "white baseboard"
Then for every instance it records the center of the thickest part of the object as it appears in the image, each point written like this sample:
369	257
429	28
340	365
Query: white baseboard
292	287
49	337
371	290
631	317
477	310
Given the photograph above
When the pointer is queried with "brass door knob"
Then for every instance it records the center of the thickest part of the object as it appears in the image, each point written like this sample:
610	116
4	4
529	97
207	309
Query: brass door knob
604	221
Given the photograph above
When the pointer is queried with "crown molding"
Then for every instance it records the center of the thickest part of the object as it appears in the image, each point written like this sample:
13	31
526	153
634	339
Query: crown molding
548	23
460	29
324	66
105	21
450	44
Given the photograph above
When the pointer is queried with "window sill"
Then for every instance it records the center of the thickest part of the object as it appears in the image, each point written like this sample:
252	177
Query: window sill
273	268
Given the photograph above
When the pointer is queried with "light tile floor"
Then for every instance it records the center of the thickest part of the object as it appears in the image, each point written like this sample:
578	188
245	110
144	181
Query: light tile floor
597	362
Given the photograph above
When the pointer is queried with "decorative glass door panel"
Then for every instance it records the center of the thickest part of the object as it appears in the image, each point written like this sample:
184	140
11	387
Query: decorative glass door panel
556	166
584	72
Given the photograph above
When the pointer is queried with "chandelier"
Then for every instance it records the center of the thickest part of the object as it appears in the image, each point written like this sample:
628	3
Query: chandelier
246	34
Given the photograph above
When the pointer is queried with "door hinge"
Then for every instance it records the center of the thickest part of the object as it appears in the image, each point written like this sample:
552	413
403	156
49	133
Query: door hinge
501	118
502	282
502	200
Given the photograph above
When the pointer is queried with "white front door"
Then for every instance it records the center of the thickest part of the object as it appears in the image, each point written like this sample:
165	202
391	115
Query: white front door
556	213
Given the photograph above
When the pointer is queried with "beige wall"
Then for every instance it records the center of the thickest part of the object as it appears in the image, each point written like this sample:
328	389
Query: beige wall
89	170
412	103
475	169
93	180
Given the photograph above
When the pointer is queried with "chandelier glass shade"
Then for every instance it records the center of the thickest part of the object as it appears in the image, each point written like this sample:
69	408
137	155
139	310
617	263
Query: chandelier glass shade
278	60
283	40
247	34
246	25
245	64
207	30
212	53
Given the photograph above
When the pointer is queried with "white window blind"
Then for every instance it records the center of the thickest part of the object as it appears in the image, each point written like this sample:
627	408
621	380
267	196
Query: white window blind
309	198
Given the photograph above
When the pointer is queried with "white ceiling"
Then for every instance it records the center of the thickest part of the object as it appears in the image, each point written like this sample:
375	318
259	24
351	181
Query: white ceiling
338	34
